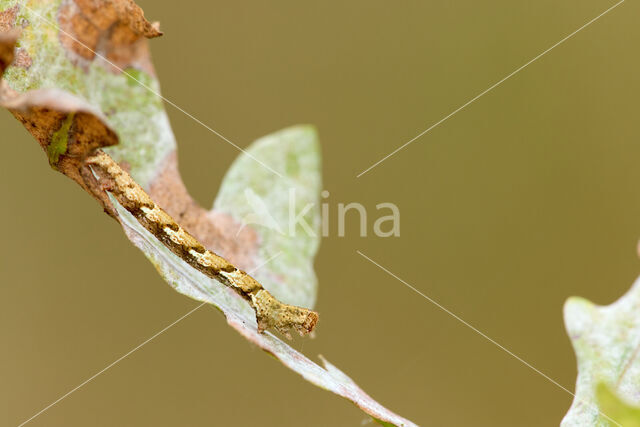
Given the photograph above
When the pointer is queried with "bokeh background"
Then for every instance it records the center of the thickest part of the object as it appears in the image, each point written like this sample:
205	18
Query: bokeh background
526	197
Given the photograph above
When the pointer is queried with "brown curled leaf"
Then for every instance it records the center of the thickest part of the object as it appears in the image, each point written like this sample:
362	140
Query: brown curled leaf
114	29
67	129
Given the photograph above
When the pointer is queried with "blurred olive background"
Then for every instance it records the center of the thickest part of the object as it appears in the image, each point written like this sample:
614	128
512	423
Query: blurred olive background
524	198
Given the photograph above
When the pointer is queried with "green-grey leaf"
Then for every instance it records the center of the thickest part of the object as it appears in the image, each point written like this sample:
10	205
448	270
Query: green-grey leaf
257	197
606	340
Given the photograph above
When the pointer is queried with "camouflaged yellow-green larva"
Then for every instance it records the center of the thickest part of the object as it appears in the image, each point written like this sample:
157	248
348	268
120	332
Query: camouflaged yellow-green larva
270	313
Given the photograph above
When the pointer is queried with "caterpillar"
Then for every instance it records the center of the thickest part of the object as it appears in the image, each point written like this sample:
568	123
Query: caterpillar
270	313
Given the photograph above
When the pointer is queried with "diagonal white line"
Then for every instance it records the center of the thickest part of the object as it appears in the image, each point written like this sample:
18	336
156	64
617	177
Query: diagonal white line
482	334
498	83
94	376
168	101
91	378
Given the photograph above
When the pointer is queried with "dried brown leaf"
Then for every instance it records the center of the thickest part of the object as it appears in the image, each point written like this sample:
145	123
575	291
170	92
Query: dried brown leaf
114	29
67	129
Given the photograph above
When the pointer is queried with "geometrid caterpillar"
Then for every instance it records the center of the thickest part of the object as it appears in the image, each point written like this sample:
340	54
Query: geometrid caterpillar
270	313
